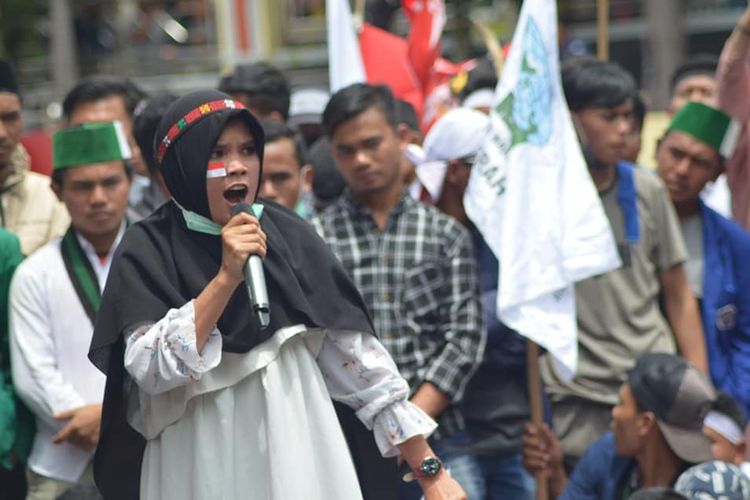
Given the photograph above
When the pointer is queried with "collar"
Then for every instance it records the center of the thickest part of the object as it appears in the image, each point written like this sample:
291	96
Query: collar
354	207
199	224
88	248
20	163
627	198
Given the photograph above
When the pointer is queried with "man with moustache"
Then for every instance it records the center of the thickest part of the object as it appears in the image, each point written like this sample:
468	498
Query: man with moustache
28	207
54	300
103	99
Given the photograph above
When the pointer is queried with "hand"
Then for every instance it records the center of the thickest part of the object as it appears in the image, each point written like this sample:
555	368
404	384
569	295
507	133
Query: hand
240	238
442	487
83	428
541	450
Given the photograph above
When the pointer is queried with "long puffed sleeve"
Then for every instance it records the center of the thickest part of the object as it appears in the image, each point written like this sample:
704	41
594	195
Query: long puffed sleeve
164	355
360	373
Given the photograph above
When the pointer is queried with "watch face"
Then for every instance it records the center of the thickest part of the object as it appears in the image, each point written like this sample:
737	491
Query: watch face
430	466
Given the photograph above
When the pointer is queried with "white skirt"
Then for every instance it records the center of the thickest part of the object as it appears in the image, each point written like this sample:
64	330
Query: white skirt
272	434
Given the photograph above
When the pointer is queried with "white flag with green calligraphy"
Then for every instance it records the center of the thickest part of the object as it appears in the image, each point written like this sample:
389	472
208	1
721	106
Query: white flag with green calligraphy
531	196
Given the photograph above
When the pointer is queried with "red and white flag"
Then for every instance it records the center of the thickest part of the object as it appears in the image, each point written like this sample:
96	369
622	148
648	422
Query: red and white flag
216	169
412	68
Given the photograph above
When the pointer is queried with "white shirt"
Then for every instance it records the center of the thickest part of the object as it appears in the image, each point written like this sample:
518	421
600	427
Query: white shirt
261	412
357	369
50	334
717	196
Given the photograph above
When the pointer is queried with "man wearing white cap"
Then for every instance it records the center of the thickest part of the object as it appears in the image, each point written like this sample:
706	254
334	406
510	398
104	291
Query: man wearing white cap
306	112
495	404
54	299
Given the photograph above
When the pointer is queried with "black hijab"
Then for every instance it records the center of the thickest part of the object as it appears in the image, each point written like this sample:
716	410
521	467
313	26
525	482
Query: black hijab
161	264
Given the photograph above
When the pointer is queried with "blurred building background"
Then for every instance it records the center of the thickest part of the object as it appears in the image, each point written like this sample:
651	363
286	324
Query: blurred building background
185	44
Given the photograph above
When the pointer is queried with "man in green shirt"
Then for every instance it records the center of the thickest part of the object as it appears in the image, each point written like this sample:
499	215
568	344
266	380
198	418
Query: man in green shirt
16	422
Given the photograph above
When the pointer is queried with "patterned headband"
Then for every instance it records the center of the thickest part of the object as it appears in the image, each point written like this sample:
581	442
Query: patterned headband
203	110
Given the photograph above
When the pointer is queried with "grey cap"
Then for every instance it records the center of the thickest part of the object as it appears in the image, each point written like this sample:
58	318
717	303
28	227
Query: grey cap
680	396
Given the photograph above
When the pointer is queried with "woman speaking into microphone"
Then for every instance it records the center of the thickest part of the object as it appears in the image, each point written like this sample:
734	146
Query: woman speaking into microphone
201	401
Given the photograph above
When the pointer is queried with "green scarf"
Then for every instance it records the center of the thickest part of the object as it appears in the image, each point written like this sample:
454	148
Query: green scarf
81	274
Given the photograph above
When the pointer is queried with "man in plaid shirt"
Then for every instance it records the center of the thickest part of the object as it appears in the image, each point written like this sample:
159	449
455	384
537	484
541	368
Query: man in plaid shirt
413	265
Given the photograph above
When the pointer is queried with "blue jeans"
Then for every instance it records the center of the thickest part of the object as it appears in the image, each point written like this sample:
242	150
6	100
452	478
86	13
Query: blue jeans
485	477
503	476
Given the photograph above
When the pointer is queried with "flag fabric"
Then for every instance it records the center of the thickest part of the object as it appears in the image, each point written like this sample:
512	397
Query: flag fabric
413	68
432	72
427	20
386	59
216	169
531	196
345	65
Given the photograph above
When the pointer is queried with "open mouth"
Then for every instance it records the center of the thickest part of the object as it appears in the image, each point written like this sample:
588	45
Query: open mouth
235	194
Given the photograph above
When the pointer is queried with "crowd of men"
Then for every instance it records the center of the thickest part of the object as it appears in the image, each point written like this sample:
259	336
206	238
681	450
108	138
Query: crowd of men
661	395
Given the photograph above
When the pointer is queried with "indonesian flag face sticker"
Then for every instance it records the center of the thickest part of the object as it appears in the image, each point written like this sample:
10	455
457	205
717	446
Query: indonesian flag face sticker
215	169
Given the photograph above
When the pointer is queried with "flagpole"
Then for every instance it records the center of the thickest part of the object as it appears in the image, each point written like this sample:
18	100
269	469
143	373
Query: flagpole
359	14
602	42
493	46
534	388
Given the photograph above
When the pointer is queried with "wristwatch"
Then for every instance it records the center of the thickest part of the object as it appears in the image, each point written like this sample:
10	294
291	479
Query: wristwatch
429	468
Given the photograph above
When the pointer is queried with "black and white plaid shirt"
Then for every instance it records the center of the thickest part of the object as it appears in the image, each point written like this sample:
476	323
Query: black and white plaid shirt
419	279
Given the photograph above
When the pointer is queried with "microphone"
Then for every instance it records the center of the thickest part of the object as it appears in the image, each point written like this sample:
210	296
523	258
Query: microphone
255	278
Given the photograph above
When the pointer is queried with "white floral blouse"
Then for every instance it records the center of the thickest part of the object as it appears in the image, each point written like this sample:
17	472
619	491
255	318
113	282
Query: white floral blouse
356	368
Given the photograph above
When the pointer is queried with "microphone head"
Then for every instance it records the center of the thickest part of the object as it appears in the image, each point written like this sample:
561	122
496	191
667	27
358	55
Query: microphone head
242	207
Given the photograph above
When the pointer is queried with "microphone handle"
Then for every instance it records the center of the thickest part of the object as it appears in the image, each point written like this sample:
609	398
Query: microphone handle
255	279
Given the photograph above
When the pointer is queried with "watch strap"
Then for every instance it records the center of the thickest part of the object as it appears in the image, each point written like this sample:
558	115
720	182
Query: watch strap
433	463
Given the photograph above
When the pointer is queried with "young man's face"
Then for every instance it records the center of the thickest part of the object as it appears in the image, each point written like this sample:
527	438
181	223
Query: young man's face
723	449
603	131
628	423
368	152
96	196
111	109
11	126
699	88
685	165
283	179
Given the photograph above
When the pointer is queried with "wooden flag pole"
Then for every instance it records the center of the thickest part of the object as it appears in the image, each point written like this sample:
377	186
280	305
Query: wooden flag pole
359	14
602	42
534	384
494	49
